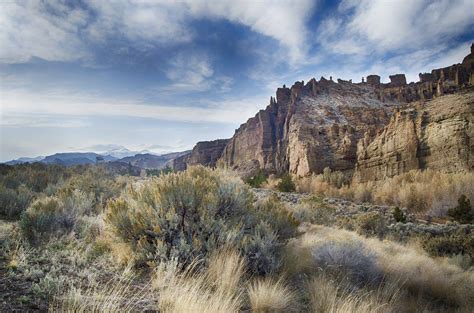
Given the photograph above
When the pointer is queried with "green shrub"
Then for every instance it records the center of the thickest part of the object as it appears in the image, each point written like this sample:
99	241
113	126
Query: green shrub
190	214
314	210
463	213
55	215
44	218
449	245
370	224
14	202
286	184
257	180
277	215
398	215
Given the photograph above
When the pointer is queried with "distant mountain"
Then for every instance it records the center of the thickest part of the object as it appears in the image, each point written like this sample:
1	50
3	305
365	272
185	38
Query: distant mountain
25	160
66	159
120	152
137	161
151	161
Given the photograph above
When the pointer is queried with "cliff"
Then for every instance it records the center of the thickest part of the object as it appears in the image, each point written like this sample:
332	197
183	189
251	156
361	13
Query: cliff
324	123
312	126
204	152
438	134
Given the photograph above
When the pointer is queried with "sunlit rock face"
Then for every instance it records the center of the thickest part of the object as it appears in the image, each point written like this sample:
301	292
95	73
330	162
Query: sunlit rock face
437	134
309	127
382	129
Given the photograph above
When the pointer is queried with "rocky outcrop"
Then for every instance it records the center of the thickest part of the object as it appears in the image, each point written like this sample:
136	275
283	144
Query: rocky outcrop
207	152
438	134
204	153
308	127
318	124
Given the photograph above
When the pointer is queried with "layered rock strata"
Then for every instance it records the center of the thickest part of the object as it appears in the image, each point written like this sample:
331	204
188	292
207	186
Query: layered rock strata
315	125
438	134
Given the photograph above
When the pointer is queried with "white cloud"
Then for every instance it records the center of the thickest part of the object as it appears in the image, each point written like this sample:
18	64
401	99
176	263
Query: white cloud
193	72
54	31
367	26
283	20
30	29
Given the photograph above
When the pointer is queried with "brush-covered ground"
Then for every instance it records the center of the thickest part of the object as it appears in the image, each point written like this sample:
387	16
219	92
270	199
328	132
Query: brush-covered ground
82	239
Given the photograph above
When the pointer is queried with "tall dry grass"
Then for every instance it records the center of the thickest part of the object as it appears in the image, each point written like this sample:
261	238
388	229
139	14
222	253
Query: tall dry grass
430	192
217	289
414	278
269	295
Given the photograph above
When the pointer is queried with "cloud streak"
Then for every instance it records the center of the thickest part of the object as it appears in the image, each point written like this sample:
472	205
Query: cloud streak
61	104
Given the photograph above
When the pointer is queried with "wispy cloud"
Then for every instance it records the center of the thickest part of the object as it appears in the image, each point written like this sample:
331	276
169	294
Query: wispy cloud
60	104
367	26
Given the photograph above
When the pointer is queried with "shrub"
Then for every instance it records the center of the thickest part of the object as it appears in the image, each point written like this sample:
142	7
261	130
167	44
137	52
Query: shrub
44	218
449	245
370	224
349	260
398	215
274	212
286	184
314	210
14	202
257	180
336	179
463	213
190	214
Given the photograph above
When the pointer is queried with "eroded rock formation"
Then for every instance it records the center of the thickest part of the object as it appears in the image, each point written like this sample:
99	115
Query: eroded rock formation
204	152
308	127
437	135
319	124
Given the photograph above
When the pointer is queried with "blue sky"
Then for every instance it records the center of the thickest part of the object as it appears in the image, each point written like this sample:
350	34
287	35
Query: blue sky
162	75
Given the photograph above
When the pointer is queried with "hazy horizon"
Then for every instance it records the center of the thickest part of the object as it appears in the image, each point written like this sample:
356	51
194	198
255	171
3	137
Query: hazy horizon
161	76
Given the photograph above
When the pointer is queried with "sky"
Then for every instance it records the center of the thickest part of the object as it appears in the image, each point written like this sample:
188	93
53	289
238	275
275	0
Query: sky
89	75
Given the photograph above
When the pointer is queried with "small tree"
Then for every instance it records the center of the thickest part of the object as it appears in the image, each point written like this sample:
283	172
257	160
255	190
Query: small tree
257	180
399	216
463	213
286	184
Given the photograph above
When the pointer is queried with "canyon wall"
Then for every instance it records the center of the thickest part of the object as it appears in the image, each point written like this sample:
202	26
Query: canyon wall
204	153
438	135
375	129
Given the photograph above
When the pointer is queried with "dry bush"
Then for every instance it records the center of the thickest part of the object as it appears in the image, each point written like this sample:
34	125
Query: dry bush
190	214
267	295
350	260
315	210
371	224
271	182
427	191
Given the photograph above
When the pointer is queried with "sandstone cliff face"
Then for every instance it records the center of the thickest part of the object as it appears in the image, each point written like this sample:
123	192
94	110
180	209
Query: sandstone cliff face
308	127
316	125
207	152
438	135
204	153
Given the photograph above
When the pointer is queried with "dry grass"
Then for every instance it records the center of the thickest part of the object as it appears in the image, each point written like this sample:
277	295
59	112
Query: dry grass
117	295
217	289
431	283
426	191
268	295
325	295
